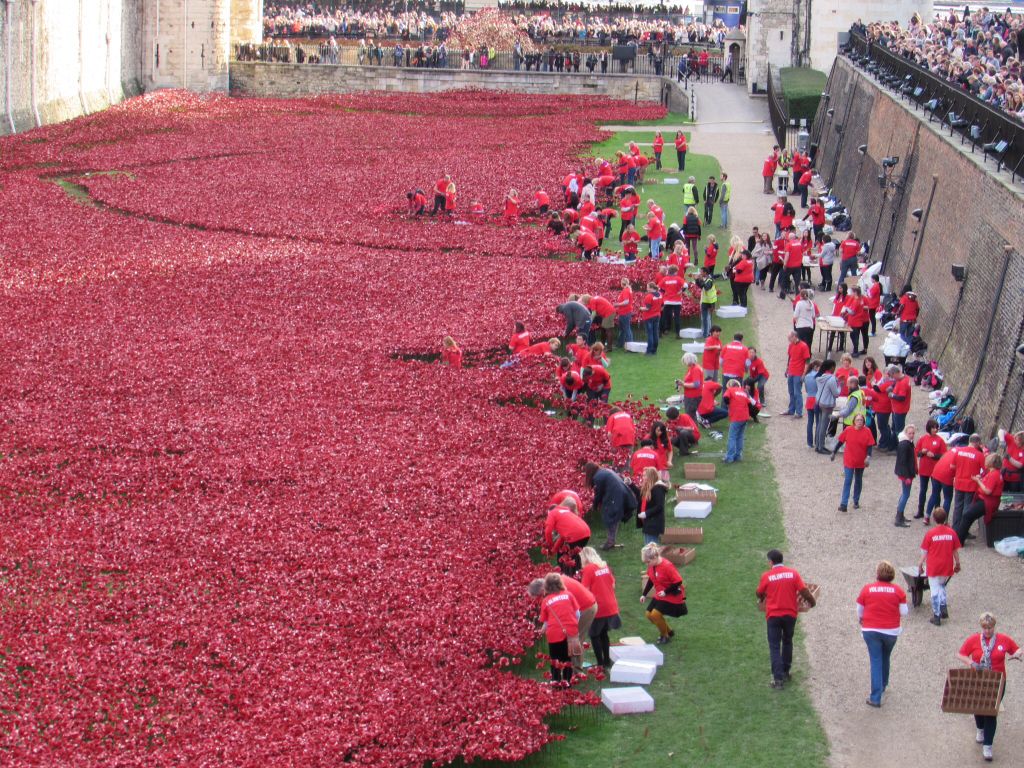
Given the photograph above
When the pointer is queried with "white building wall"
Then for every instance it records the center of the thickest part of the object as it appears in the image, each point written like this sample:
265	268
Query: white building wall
831	17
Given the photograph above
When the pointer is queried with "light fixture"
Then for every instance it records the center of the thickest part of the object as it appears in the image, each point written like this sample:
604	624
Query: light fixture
959	272
863	149
890	162
917	213
830	112
826	95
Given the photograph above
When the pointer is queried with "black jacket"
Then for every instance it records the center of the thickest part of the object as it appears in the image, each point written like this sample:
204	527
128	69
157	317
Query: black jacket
654	522
905	464
691	225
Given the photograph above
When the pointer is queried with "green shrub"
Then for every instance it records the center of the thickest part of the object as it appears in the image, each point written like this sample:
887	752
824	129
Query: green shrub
801	91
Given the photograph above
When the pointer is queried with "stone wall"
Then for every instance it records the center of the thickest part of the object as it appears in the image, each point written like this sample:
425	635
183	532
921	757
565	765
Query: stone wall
67	58
286	80
188	43
973	218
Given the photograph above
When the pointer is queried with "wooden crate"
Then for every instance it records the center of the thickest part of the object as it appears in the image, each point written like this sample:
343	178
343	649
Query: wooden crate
693	470
972	691
696	494
802	605
679	555
683	536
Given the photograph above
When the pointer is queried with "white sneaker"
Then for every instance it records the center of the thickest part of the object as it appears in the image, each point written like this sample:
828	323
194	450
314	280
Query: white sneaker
980	737
986	752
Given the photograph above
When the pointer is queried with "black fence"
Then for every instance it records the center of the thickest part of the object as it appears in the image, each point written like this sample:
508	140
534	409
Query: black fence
785	128
997	134
642	63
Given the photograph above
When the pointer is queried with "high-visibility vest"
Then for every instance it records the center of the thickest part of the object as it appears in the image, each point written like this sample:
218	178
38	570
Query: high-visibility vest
709	295
726	191
859	409
689	194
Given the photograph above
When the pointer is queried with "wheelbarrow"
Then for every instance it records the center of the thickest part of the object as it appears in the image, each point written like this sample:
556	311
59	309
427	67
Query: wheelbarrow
916	584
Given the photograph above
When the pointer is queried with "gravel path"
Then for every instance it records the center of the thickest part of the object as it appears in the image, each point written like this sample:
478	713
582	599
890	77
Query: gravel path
839	551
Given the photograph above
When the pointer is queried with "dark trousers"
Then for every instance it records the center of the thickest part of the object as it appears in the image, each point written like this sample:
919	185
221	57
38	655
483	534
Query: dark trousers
741	293
940	492
886	441
961	500
780	644
806	335
653	334
709	209
670	317
561	664
681	159
602	648
826	277
873	317
974	511
922	494
773	270
790	280
860	333
657	160
438	204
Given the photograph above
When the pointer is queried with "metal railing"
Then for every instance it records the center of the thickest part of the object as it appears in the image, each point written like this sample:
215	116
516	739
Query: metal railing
313	54
785	128
988	128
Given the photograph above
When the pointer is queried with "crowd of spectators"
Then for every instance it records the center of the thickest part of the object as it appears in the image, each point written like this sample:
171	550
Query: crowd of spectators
596	24
979	50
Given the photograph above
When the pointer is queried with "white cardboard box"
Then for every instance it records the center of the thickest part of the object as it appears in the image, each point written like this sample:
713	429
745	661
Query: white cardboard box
697	510
696	347
636	346
690	333
645	652
731	311
636	672
627	701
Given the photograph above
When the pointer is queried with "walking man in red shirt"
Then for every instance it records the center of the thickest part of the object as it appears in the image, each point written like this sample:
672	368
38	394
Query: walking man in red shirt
777	594
798	355
940	559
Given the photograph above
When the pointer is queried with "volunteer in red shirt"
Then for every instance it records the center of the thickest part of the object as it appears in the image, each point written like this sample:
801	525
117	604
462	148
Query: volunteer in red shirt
548	347
816	213
598	381
573	534
669	593
650	314
739	414
899	395
929	450
603	317
711	358
643	457
682	429
743	276
624	313
655	235
621	428
561	496
857	439
587	243
588	610
881	606
758	373
630	243
440	188
797	355
988	650
680	143
691	385
856	315
792	265
968	463
768	172
520	339
599	579
451	355
671	285
907	313
872	301
417	202
848	251
986	500
559	615
735	359
628	208
882	406
942	484
658	145
708	410
778	593
1013	466
845	370
940	559
543	200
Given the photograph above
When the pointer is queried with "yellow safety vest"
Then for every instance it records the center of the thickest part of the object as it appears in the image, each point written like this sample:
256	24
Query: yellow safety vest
689	194
726	192
709	295
859	409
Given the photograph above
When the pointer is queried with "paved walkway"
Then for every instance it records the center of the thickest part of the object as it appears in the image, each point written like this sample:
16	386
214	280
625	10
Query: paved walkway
839	552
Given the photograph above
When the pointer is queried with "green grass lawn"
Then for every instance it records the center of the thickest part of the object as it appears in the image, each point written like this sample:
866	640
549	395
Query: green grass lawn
713	704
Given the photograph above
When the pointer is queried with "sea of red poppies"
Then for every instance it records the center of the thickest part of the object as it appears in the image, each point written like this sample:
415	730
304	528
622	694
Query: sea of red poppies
239	525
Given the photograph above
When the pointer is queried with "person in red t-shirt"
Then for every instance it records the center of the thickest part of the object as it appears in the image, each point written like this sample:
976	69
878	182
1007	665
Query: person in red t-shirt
1013	464
968	462
989	483
940	559
777	594
797	355
680	143
562	495
630	243
671	285
735	359
559	615
856	315
710	360
988	650
929	450
669	592
588	244
857	439
548	347
942	483
682	429
881	606
599	579
573	534
519	340
588	610
598	381
417	202
658	145
451	355
643	457
650	314
758	373
739	414
907	314
872	301
899	396
621	428
624	312
511	212
543	200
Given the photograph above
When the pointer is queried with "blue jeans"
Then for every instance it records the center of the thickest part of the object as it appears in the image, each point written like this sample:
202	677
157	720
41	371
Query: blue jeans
734	450
656	248
796	387
904	496
939	492
625	329
937	586
715	414
653	333
812	416
906	330
899	421
706	311
880	648
724	208
885	434
760	381
651	538
853	477
847	267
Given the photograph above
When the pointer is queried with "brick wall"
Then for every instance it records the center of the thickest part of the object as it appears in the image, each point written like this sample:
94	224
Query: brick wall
974	217
288	80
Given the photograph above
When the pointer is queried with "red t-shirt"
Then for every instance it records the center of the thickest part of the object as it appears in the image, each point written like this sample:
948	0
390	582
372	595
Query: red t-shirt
712	353
734	359
934	444
519	342
559	614
600	580
739	404
651	306
798	354
779	587
672	287
881	601
630	242
601	306
622	429
940	543
624	302
540	348
874	296
843	375
794	254
857	442
658	144
561	496
707	399
993	478
584	597
1014	451
1001	645
452	356
909	309
693	382
599	378
880	401
967	462
743	272
759	369
542	198
664	575
586	240
567	524
849	248
942	472
901	389
628	207
685	422
680	143
643	458
817	215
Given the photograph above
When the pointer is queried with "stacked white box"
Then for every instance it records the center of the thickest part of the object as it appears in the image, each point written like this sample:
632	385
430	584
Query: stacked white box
696	347
636	346
636	672
731	311
627	701
690	333
697	510
646	652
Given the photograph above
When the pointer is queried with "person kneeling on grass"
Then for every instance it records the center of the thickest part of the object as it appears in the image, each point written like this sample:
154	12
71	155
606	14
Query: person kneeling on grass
669	591
683	432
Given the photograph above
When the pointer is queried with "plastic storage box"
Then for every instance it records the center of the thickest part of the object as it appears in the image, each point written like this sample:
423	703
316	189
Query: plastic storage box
635	672
645	652
690	333
697	510
731	312
636	346
627	701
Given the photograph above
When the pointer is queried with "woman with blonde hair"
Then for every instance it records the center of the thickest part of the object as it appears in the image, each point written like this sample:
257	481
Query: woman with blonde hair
669	592
881	606
651	518
599	579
